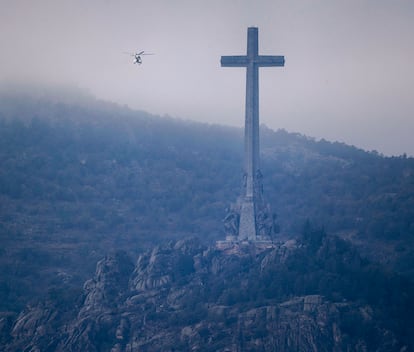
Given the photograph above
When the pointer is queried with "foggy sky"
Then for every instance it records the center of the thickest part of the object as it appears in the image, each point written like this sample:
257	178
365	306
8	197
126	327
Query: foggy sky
348	75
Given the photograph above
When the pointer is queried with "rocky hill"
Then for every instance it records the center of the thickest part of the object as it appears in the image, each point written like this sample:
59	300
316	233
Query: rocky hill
80	178
314	294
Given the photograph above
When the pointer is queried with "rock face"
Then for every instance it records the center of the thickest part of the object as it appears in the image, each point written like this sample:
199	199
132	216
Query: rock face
183	296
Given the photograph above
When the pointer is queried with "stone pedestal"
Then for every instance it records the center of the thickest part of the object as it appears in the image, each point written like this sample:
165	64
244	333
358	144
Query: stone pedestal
247	225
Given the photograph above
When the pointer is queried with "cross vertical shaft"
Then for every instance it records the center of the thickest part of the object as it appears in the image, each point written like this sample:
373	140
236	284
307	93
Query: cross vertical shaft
252	176
251	138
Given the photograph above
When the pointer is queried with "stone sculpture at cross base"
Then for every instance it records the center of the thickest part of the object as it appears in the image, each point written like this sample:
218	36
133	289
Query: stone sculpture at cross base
265	222
250	218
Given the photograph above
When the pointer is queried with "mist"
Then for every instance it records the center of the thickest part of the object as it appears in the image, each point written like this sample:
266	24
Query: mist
347	75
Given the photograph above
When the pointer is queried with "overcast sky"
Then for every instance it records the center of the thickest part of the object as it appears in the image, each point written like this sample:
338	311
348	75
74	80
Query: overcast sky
348	74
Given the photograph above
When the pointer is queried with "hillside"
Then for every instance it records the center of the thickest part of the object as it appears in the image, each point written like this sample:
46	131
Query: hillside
79	177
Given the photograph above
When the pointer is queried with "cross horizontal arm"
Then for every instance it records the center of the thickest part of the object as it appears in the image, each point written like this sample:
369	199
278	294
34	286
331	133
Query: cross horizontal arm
267	61
234	61
261	60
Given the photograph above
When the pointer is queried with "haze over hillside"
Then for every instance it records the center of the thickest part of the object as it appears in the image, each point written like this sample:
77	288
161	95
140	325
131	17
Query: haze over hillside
348	73
81	178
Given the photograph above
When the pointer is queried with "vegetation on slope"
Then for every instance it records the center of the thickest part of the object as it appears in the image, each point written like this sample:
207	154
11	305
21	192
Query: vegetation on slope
78	179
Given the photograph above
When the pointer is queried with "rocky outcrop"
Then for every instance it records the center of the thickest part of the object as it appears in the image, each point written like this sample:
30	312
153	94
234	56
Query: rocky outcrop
183	296
164	265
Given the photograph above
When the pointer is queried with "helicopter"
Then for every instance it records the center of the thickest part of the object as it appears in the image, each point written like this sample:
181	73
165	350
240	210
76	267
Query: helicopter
137	56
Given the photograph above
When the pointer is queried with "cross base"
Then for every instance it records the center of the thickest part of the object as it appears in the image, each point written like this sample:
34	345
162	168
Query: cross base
249	220
247	225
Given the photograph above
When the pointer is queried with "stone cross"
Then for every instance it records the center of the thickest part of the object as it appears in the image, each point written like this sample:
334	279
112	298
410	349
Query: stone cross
252	175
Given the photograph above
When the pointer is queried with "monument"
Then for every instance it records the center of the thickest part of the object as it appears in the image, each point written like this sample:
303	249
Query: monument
250	218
